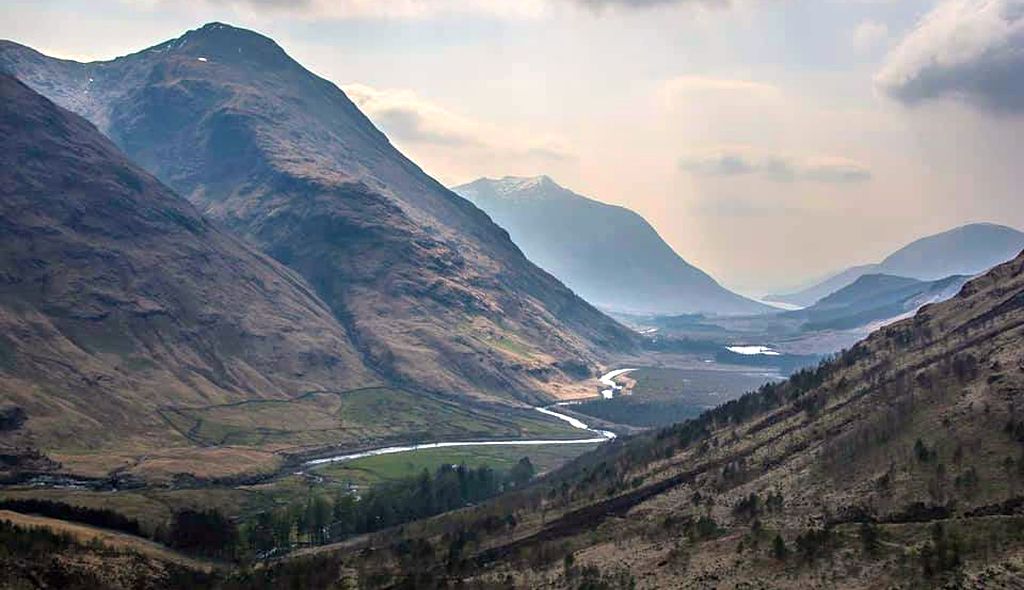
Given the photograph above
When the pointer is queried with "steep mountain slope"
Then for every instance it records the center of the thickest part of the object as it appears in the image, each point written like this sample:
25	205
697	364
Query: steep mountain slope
609	255
118	298
874	298
965	250
433	293
899	463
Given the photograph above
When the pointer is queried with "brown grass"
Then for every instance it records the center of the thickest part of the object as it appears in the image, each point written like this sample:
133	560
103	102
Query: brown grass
122	541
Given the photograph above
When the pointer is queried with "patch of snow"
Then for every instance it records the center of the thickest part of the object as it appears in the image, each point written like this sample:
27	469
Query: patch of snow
512	185
753	350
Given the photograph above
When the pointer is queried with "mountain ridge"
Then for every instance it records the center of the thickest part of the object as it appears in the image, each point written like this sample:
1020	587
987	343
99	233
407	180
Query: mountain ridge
284	158
874	298
932	257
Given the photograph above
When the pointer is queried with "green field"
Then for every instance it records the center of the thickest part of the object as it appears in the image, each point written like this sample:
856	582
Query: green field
363	417
371	470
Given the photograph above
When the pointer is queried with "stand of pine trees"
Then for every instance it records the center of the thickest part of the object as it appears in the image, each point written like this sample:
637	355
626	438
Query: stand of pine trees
322	519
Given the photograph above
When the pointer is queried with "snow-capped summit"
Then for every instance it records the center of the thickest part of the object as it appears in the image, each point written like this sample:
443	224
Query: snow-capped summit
518	187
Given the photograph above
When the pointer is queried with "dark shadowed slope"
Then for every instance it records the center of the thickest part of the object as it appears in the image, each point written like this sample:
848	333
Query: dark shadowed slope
965	250
609	255
117	297
432	292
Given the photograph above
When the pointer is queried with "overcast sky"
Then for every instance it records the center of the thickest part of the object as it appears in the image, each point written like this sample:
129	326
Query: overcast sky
768	141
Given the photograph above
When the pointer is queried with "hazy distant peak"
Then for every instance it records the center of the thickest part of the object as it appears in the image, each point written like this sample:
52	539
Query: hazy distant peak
964	250
612	256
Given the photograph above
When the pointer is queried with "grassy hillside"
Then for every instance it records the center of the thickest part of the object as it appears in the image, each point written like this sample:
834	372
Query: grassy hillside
898	463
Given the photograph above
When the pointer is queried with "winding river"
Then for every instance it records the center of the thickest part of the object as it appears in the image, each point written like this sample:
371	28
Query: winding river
599	436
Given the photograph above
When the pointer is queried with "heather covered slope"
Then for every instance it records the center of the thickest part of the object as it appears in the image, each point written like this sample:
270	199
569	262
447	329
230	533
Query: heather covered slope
609	255
897	464
117	298
432	292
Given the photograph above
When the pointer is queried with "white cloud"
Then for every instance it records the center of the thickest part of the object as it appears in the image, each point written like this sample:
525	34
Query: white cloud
869	35
405	116
455	146
967	49
735	161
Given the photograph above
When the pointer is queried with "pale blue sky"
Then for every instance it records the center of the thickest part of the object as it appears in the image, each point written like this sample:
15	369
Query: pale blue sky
769	141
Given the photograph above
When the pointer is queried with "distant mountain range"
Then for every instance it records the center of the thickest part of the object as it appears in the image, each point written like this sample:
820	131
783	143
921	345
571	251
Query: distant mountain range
875	298
609	255
965	250
430	292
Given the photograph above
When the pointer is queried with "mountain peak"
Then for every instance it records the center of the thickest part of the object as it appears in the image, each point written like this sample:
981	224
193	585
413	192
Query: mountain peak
515	184
222	42
224	30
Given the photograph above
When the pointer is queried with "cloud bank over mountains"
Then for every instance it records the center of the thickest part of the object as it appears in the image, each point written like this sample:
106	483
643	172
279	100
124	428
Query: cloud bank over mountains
461	141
